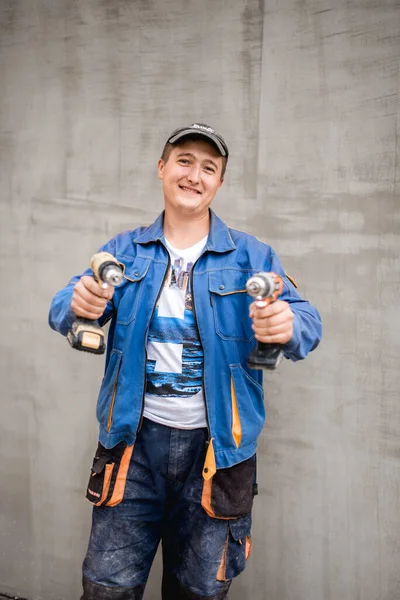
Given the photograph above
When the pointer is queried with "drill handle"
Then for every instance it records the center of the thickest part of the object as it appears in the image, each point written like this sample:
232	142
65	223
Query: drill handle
265	356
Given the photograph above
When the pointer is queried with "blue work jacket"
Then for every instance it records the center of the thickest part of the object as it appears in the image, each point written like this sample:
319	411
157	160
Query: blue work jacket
233	392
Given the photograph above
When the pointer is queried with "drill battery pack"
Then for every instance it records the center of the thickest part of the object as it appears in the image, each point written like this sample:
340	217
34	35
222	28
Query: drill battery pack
87	336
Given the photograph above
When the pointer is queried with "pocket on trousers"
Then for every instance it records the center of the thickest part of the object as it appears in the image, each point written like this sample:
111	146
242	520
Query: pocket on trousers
237	549
229	493
107	479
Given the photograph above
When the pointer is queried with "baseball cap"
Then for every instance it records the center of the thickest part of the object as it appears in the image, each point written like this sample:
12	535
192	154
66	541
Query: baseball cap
202	130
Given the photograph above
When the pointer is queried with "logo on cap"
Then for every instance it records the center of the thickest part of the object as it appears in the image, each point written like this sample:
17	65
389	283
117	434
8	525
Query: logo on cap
204	127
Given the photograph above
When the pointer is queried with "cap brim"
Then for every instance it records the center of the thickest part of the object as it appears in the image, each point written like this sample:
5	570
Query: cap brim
210	136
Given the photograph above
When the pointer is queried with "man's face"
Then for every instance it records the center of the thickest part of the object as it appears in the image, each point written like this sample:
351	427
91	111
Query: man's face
191	177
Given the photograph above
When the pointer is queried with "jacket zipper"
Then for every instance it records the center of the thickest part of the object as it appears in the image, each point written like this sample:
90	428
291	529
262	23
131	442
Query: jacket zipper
145	342
201	342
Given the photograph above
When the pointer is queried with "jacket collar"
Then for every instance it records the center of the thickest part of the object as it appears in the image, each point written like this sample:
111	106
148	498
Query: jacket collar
219	237
153	233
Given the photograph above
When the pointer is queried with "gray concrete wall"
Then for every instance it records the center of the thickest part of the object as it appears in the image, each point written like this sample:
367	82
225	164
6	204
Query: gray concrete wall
307	95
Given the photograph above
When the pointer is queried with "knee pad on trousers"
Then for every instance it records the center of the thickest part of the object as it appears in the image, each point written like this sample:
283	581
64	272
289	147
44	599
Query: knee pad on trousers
95	591
172	589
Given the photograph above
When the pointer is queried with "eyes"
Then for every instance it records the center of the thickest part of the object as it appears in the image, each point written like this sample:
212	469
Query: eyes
186	162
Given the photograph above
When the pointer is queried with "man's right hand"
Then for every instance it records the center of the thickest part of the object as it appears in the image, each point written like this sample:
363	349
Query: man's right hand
89	299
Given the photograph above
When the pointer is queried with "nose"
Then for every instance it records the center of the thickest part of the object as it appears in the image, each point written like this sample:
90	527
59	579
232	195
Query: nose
194	174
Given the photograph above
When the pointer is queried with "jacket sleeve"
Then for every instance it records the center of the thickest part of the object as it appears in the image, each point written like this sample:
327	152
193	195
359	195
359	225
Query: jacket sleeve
307	326
61	316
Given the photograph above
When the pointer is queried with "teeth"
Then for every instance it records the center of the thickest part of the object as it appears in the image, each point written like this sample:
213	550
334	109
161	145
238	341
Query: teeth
186	189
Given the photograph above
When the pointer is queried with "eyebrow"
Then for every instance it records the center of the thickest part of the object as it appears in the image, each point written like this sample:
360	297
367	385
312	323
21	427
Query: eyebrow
208	160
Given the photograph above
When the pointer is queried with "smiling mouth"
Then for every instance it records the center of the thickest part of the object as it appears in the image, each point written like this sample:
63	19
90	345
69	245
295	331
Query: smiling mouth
188	189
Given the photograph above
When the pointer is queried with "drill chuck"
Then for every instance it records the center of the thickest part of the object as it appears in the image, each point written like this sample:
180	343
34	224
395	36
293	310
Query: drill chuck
263	285
106	268
110	273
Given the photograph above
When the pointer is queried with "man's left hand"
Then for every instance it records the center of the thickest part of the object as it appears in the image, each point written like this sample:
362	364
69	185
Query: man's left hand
273	323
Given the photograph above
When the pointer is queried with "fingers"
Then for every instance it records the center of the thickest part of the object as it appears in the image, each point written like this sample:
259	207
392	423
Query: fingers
261	309
89	299
281	336
91	285
272	323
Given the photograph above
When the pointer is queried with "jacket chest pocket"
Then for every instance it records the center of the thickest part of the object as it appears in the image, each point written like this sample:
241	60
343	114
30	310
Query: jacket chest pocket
128	294
230	303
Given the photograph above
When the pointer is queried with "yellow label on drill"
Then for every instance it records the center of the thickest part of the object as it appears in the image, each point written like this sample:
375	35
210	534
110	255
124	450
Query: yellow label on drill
91	340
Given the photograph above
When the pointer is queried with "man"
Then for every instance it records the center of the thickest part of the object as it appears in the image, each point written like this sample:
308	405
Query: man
179	409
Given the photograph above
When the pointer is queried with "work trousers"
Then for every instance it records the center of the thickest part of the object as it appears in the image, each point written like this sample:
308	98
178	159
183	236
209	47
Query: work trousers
162	502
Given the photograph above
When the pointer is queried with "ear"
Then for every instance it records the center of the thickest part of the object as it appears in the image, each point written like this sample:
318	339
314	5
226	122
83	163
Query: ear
221	181
160	167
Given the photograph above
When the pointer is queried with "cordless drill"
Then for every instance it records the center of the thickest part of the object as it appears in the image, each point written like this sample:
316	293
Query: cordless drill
87	335
265	288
